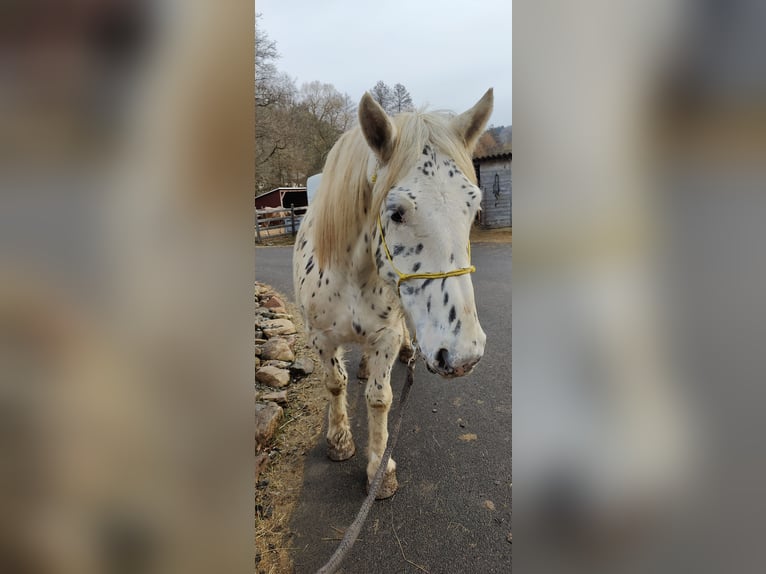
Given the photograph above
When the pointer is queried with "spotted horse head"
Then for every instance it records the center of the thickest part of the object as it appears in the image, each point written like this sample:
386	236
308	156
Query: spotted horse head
425	199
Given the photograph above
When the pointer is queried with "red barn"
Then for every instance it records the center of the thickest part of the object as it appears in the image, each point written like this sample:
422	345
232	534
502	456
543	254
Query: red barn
282	197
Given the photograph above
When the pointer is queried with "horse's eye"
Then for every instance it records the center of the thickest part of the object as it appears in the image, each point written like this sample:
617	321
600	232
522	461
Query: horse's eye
397	216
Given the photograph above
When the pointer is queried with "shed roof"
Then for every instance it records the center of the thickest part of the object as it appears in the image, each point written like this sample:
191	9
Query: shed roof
505	153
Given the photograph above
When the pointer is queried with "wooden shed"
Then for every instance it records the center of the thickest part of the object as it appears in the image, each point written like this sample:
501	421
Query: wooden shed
282	197
493	172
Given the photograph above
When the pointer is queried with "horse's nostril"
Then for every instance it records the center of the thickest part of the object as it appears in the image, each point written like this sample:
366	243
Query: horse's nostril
441	359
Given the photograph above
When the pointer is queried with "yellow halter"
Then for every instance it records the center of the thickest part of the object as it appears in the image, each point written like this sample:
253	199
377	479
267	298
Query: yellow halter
406	276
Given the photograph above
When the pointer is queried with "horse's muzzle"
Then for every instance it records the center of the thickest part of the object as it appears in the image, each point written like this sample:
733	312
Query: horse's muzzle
443	366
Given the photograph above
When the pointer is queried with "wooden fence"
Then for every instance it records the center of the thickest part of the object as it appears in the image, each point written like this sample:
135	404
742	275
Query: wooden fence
279	221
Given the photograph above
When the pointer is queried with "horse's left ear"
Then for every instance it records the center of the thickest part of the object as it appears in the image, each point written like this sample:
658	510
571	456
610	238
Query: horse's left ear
377	128
470	124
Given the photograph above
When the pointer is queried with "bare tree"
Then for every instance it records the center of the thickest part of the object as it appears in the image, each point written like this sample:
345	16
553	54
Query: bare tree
485	145
327	104
401	100
294	129
271	86
324	114
393	100
381	93
274	92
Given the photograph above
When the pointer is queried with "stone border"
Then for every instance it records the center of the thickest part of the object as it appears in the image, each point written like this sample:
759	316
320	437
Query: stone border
276	365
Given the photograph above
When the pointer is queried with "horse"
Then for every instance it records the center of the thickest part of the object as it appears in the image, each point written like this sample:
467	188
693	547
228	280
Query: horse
385	245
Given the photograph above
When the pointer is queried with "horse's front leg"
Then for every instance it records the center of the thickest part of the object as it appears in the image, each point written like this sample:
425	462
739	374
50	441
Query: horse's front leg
383	352
406	351
340	444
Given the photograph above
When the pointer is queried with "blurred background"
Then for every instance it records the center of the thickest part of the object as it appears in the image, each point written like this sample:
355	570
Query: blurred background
640	140
126	178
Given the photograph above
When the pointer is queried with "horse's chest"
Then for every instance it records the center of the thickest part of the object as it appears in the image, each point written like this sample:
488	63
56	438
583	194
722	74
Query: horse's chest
351	312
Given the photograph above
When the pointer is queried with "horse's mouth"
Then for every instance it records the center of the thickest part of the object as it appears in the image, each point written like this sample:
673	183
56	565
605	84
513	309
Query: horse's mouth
450	373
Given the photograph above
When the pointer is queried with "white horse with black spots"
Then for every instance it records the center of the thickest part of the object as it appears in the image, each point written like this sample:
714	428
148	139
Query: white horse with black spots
385	246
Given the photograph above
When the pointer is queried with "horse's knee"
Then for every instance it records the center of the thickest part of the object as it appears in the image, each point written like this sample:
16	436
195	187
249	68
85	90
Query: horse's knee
379	397
379	405
336	378
335	390
336	382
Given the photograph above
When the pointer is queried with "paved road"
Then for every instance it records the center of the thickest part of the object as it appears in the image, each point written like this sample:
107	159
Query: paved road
440	510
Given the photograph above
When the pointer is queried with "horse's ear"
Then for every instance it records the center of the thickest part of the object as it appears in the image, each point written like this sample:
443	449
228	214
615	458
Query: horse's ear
376	127
470	125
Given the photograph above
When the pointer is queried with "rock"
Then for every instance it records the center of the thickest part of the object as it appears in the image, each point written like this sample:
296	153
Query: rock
261	461
278	327
275	396
267	417
274	302
277	348
280	313
260	341
263	317
258	352
257	362
303	366
277	364
272	376
290	339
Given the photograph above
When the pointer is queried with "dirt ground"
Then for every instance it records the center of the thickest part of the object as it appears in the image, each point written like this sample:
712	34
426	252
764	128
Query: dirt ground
478	235
278	486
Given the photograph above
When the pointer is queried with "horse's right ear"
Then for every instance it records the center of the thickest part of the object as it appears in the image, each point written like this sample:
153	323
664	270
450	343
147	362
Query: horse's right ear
470	125
377	128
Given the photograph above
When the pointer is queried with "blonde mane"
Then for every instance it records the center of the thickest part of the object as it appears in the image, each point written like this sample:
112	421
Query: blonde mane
347	204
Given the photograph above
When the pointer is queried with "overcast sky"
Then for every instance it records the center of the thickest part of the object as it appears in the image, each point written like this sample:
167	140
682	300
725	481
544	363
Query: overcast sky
445	53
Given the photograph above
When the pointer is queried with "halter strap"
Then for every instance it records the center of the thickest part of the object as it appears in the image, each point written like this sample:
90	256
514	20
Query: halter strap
407	276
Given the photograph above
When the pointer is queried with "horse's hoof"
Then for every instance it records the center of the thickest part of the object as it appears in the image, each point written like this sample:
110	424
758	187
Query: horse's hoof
387	487
342	451
406	353
363	373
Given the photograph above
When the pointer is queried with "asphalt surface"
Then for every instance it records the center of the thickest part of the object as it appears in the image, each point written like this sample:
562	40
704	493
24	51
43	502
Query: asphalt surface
449	480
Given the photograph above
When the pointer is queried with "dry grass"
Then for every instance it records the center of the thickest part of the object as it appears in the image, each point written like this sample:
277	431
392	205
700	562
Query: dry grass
298	433
502	235
275	240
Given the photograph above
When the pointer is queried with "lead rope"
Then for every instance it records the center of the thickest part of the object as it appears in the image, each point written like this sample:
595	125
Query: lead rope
352	532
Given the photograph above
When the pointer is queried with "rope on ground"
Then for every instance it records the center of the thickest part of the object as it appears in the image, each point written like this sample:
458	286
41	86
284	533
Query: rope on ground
352	532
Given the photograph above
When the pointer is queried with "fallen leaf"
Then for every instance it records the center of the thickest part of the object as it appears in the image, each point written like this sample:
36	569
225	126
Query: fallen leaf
468	437
489	505
509	538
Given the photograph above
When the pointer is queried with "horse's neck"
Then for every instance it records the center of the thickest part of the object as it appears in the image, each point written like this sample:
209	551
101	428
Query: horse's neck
361	264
